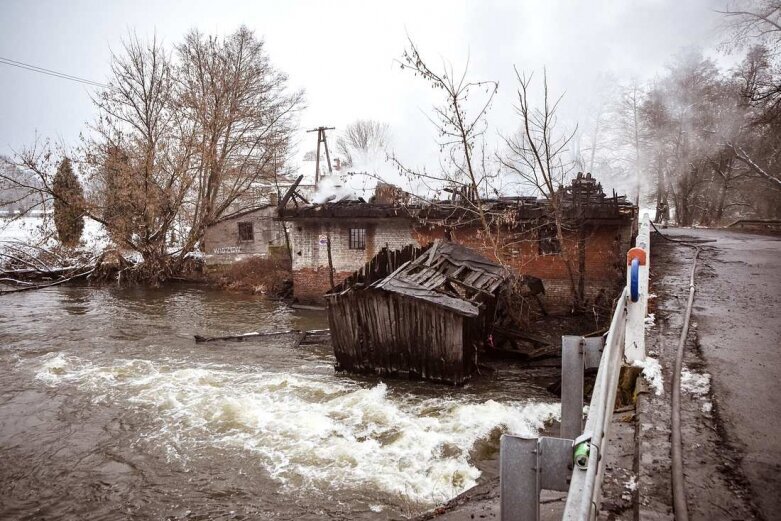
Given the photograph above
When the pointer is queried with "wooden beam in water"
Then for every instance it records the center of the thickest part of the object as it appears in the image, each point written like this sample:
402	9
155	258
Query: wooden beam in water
255	335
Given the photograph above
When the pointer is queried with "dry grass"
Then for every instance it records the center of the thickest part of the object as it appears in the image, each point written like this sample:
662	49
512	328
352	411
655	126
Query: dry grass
256	275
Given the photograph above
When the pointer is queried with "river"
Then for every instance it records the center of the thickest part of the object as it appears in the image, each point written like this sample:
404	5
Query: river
110	410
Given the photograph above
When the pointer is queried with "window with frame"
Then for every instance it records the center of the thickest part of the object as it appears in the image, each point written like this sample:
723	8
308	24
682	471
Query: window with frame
357	238
246	232
548	240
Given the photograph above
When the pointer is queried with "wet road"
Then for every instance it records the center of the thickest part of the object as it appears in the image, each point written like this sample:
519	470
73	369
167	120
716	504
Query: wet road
109	410
737	311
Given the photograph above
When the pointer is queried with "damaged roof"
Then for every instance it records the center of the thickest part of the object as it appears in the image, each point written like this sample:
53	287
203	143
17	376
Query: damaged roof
582	200
447	275
345	209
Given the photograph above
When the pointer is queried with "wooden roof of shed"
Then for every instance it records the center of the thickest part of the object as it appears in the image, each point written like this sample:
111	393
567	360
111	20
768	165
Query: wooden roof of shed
448	275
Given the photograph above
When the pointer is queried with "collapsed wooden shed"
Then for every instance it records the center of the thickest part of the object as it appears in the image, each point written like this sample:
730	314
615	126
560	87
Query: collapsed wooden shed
420	312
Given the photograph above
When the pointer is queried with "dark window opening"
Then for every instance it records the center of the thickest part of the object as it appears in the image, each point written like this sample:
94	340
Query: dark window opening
357	238
246	232
548	241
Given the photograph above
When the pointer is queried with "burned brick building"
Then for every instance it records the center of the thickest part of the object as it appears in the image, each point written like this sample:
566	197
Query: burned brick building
587	257
332	240
250	233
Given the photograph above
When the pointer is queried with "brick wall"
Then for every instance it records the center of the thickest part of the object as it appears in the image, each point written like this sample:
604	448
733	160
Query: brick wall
309	285
606	247
310	250
221	242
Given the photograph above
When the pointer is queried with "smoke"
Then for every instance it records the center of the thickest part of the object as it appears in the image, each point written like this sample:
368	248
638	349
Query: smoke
359	181
333	189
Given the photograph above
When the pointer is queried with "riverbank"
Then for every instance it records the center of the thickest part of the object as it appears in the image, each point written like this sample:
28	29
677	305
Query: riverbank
267	276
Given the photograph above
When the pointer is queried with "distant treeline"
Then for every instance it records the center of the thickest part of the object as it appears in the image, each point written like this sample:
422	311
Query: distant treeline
703	144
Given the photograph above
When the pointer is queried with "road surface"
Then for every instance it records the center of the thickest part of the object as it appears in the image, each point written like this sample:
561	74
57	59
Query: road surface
736	311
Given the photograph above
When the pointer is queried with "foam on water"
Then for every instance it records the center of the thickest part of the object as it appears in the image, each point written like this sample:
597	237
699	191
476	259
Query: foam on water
309	431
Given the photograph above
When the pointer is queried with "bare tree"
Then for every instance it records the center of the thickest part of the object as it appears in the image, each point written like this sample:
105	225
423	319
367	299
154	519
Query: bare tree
538	155
21	190
627	135
362	138
463	168
241	117
756	25
143	144
750	21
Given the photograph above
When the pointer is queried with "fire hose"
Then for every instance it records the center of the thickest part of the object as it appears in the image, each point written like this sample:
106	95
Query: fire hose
676	452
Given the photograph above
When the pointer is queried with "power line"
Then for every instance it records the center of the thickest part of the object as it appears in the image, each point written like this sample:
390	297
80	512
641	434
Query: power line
62	75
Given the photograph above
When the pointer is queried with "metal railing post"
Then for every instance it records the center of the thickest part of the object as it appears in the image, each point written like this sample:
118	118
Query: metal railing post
528	465
634	343
571	386
583	487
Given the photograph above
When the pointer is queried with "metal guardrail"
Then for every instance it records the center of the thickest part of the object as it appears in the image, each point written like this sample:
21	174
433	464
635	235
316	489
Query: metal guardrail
529	465
586	483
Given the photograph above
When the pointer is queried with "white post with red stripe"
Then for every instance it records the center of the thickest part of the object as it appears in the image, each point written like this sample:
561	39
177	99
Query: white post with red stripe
637	310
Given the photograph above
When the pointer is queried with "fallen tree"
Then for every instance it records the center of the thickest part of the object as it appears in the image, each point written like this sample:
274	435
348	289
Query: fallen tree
25	267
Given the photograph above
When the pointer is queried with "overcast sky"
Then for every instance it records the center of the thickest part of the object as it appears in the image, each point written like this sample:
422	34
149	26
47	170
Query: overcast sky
342	53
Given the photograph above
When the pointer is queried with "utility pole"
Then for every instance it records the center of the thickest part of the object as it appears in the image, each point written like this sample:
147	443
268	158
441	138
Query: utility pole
321	139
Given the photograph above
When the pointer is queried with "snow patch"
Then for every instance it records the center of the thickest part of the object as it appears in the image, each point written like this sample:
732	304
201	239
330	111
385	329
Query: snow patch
195	255
40	231
650	321
652	371
696	384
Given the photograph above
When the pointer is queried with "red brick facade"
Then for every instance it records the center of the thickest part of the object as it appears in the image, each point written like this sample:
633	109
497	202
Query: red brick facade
309	285
606	246
605	250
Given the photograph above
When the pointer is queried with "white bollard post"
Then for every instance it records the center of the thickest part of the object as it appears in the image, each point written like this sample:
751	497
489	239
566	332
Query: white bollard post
636	311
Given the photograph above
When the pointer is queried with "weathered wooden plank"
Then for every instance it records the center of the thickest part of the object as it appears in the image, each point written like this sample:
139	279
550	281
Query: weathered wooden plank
255	335
435	281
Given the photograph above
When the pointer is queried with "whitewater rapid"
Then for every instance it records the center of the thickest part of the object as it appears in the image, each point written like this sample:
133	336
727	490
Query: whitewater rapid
310	432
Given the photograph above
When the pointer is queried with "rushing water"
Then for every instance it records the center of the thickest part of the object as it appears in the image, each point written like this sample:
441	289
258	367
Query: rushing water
108	409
